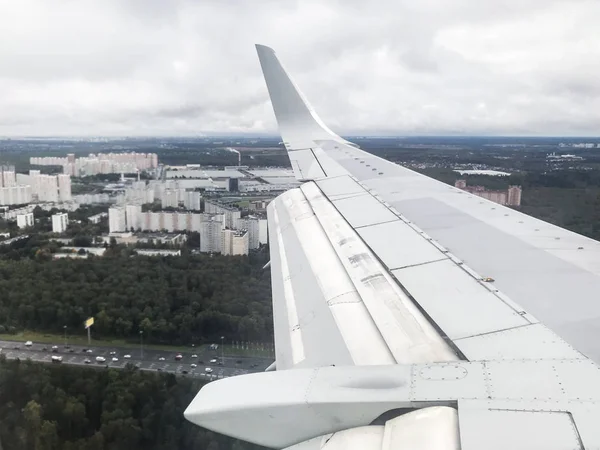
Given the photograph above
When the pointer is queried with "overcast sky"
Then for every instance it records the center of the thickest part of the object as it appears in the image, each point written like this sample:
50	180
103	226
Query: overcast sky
183	67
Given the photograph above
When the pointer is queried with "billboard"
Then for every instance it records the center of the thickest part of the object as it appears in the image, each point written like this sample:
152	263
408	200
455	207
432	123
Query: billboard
89	322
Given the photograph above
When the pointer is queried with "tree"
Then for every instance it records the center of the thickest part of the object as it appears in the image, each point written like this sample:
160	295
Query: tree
174	300
81	409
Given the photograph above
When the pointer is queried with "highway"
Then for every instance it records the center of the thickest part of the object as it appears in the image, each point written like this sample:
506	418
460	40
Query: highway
151	361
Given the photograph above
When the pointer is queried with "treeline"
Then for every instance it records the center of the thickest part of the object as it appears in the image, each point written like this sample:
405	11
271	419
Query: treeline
46	407
173	300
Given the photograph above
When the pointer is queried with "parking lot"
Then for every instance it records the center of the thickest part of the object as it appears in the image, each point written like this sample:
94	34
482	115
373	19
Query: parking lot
152	360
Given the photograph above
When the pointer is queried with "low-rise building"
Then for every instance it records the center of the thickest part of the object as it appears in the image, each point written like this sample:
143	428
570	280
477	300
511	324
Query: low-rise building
97	217
25	220
158	252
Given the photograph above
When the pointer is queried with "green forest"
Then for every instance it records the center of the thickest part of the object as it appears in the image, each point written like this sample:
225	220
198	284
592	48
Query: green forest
173	300
47	407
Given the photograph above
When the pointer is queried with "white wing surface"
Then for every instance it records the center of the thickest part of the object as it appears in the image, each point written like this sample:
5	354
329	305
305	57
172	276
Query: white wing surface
387	330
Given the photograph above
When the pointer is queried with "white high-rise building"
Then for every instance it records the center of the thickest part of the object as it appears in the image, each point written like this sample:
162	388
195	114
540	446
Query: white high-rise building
64	188
48	188
252	225
234	242
192	200
169	199
117	221
231	214
25	220
133	217
15	195
210	236
8	178
60	222
263	232
45	188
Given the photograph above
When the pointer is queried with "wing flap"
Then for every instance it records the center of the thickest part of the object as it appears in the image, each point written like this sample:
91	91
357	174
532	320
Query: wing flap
333	302
458	303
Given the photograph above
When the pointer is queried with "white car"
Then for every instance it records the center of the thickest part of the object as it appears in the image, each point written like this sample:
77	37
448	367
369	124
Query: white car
194	356
57	359
100	359
112	353
162	358
193	366
28	344
126	356
208	370
89	350
115	359
212	361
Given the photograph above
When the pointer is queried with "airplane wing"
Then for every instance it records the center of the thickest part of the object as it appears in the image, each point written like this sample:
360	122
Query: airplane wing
411	314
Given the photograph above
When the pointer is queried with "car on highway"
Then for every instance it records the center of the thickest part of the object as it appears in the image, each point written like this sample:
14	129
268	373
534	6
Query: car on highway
100	359
115	359
194	356
112	353
208	370
28	344
89	350
193	366
56	359
178	357
127	356
86	361
162	358
212	361
55	349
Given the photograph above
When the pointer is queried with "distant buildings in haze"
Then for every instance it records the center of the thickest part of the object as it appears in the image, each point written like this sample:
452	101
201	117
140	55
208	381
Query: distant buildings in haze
94	164
510	197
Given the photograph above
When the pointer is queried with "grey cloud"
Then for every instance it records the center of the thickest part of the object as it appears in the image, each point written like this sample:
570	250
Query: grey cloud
398	66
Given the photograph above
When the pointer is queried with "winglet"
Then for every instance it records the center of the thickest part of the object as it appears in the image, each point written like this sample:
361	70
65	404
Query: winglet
299	124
